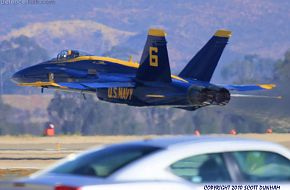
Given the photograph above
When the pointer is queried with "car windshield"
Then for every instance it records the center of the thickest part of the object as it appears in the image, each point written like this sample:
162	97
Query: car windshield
102	163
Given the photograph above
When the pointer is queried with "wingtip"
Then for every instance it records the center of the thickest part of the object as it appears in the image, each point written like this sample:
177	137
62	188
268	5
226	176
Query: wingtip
157	32
223	33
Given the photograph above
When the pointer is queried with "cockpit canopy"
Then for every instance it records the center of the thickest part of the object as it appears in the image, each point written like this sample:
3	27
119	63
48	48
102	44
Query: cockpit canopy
70	54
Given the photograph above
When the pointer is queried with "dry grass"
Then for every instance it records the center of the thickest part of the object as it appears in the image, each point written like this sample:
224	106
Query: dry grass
77	139
73	139
10	173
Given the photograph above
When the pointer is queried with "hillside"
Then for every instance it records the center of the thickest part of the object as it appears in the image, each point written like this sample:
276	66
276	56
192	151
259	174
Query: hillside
18	53
71	34
259	27
34	105
29	103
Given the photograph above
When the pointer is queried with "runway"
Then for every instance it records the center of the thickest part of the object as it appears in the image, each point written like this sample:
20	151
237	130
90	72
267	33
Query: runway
22	155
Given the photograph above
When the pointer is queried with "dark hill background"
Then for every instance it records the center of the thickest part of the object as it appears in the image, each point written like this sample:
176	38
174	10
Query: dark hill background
257	53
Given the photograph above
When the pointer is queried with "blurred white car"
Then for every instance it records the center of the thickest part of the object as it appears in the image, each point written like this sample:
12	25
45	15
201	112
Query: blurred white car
181	163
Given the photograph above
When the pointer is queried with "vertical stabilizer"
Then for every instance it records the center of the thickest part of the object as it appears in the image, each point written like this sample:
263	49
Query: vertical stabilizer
154	64
203	64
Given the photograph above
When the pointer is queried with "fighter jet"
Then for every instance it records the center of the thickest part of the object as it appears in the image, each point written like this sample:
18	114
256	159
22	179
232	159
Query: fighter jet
148	83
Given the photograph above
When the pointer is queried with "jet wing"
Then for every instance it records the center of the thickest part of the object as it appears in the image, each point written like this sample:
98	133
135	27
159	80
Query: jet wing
248	87
94	85
80	85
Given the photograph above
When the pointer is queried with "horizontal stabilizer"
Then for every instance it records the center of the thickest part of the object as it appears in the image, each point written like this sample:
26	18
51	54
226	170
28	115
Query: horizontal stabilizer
249	87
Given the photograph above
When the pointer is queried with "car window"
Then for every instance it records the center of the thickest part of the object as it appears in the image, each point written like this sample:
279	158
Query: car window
263	166
104	162
202	168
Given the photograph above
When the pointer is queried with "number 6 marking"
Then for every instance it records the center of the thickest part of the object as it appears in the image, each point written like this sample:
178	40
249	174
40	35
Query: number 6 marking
153	59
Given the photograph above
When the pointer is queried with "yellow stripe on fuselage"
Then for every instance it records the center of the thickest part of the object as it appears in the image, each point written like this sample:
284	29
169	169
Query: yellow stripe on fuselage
113	60
41	84
97	58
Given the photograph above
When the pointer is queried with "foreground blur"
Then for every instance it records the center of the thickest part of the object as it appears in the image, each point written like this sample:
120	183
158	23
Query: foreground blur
167	163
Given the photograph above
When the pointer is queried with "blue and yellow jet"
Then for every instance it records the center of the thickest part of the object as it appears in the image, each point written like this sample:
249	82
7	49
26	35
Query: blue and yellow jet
149	83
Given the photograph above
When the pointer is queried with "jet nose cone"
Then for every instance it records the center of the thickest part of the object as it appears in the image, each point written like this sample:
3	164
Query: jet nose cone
17	77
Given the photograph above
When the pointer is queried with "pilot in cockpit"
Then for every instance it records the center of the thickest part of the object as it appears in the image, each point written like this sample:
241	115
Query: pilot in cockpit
67	54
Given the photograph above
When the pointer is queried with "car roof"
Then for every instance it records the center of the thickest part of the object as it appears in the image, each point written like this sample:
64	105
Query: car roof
180	147
169	141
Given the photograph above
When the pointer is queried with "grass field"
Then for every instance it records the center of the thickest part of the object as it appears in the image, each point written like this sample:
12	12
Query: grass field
22	155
